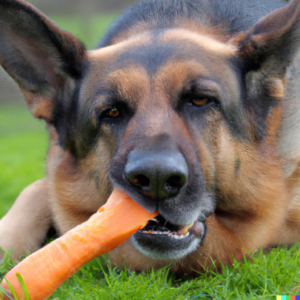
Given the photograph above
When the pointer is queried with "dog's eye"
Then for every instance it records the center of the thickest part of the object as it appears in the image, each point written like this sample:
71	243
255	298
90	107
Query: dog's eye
113	113
200	101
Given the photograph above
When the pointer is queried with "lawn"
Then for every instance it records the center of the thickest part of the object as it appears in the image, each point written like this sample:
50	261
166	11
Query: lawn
23	144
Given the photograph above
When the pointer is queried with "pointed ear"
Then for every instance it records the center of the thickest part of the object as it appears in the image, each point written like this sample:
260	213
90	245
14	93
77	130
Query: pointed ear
273	42
38	55
265	52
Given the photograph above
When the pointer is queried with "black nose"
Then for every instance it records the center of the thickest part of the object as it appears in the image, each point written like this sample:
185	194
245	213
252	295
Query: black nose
158	175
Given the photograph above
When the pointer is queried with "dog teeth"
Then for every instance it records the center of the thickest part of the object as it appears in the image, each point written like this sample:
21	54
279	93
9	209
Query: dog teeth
160	232
154	220
178	237
156	232
183	230
168	233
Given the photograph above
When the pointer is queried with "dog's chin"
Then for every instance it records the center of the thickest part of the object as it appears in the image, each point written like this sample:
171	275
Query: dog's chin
169	245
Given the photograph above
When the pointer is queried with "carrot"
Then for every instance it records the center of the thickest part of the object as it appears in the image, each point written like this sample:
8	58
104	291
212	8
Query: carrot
45	270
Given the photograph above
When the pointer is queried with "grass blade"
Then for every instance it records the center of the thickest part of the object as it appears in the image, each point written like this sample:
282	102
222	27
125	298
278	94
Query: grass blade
23	285
11	288
2	290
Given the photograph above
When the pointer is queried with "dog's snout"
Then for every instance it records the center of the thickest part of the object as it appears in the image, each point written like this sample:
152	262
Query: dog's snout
158	175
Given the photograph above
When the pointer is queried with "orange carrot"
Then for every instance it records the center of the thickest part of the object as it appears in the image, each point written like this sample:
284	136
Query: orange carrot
45	270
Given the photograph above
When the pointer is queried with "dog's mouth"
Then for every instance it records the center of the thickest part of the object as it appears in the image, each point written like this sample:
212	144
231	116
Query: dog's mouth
159	225
161	239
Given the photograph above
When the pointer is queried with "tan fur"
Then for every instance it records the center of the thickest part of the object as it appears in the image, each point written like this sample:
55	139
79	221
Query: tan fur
187	26
73	195
40	107
204	41
23	228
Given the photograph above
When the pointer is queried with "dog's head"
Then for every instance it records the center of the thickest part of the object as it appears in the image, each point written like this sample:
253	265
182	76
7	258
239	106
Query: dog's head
173	115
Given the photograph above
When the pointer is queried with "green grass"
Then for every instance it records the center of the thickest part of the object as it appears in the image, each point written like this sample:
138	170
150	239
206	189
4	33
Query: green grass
277	273
88	30
23	144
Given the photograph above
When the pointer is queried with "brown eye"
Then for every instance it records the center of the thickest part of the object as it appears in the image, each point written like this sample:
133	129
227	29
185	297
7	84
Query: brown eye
200	102
113	113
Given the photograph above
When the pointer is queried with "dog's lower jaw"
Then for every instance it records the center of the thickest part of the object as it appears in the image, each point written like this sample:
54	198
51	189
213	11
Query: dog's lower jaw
128	255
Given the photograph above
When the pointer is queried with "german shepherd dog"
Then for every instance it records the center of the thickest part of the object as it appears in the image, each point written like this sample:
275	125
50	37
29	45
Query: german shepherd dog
191	107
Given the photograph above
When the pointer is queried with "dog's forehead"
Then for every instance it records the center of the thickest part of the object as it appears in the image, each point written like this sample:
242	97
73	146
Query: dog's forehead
202	40
168	59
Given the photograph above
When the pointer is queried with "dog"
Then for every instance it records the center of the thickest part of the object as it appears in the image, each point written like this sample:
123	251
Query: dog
191	107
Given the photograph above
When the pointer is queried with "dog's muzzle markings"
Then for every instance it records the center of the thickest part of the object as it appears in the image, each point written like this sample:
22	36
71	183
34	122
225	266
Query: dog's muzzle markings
159	176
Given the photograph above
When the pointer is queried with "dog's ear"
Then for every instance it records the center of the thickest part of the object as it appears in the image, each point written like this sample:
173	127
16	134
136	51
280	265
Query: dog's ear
271	44
266	51
38	55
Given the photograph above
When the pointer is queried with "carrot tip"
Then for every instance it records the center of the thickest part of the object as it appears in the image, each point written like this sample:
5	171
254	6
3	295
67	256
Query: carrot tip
143	225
